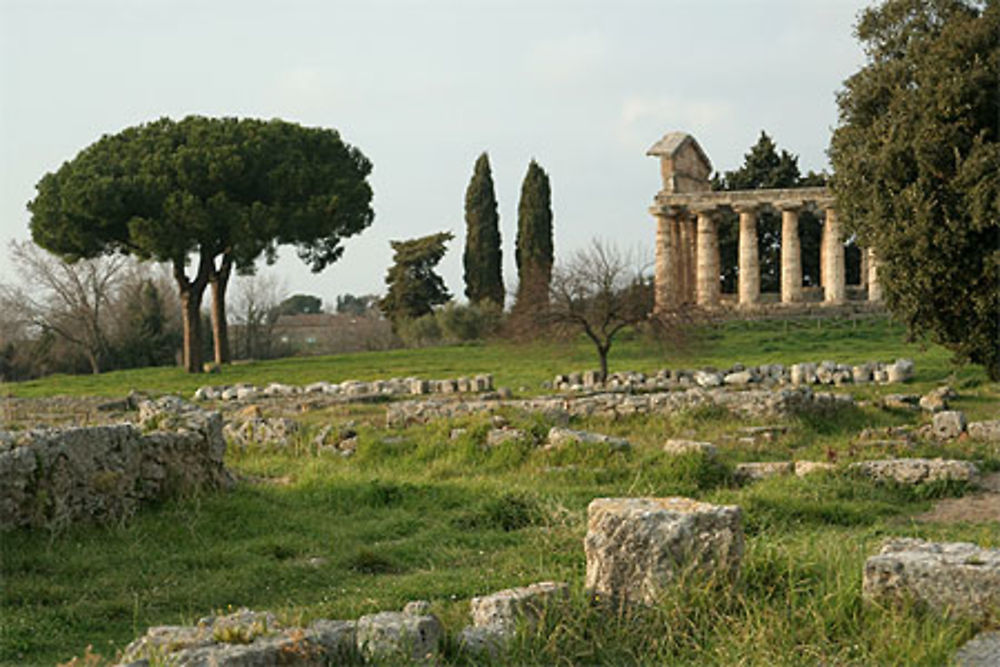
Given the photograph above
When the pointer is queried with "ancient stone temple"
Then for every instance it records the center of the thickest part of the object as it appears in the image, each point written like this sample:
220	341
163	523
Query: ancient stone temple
688	270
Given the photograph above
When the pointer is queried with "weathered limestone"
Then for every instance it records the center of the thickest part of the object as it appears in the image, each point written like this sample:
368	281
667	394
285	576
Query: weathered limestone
637	547
948	424
988	431
391	637
804	468
689	236
244	639
916	471
504	610
749	267
983	650
791	254
666	292
56	477
957	579
834	285
709	286
754	472
560	437
677	446
874	287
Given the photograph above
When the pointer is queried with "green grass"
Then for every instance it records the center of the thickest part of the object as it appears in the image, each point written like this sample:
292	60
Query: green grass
414	514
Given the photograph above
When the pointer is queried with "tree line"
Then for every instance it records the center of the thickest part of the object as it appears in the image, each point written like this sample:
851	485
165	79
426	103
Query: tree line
915	158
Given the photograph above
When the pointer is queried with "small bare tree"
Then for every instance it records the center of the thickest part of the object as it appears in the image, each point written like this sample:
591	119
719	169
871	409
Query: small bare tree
255	311
600	291
70	300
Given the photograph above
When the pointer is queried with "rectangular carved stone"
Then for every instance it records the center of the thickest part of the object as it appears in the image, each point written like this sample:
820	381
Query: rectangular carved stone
949	578
637	547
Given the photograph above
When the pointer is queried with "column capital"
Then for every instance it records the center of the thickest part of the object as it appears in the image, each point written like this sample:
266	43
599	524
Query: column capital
789	204
748	207
709	210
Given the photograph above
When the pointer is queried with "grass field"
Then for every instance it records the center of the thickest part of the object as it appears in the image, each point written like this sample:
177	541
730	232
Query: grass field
415	514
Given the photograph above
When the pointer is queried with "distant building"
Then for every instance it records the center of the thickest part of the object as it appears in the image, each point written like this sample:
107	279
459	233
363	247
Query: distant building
324	333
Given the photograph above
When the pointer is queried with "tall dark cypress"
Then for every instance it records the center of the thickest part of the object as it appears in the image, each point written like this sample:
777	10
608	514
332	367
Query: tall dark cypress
534	238
482	258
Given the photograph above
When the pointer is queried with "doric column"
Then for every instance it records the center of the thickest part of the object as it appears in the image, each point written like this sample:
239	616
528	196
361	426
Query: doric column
791	253
749	274
665	288
678	276
708	287
834	287
863	268
687	251
874	288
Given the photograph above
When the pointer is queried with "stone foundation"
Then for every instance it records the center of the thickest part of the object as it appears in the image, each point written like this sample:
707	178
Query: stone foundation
752	403
55	477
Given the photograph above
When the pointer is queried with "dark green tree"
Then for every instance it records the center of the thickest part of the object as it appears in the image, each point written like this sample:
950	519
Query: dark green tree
301	304
765	168
414	288
534	252
222	191
917	167
482	257
349	304
147	338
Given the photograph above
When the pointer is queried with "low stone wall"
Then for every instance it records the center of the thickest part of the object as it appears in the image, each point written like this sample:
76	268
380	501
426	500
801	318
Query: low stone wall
349	389
767	375
54	477
749	403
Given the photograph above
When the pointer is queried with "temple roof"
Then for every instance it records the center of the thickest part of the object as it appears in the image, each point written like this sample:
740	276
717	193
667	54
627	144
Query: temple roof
671	144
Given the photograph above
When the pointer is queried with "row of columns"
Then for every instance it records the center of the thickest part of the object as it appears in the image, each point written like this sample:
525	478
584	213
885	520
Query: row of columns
688	268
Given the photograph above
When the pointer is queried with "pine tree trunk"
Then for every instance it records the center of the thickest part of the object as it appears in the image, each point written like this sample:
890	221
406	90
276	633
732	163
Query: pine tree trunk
220	326
191	292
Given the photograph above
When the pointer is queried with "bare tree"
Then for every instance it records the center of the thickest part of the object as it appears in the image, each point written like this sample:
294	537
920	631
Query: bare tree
255	311
600	290
70	300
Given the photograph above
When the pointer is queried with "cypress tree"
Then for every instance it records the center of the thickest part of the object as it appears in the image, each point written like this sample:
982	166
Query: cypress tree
534	239
483	281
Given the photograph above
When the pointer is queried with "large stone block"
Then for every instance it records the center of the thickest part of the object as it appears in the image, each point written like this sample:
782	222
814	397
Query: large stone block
505	609
949	424
637	547
916	471
392	637
560	437
988	431
951	578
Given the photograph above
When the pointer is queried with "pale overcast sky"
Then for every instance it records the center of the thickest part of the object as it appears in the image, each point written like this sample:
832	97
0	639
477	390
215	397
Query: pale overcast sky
423	86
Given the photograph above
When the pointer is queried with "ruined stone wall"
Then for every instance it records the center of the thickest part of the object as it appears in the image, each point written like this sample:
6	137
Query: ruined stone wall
55	477
749	403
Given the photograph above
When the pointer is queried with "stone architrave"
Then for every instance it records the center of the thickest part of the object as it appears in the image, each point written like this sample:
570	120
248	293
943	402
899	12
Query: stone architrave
874	288
791	253
834	287
749	271
708	271
665	294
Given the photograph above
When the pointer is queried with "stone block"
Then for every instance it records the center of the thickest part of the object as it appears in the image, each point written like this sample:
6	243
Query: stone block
803	468
738	378
988	431
916	471
391	637
419	387
506	609
559	437
637	547
677	446
900	371
804	373
983	650
754	472
956	579
499	436
901	401
949	424
861	374
708	378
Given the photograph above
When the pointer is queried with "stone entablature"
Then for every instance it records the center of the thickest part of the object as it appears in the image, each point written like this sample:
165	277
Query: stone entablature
688	266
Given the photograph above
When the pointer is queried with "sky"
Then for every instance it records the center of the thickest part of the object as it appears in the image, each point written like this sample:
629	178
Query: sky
423	87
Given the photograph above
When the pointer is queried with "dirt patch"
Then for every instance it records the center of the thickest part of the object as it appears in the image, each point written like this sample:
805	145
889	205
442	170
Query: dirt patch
980	507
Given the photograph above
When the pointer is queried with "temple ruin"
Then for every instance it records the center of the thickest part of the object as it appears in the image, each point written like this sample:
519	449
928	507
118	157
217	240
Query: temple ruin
688	266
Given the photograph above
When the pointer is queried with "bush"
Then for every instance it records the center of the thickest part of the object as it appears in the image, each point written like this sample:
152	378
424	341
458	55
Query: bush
452	324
